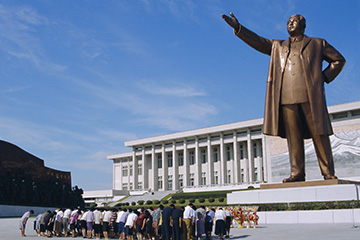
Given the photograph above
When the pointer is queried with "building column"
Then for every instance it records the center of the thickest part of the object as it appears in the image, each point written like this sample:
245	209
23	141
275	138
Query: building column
250	157
165	166
135	168
236	158
186	166
154	167
267	157
210	163
223	172
145	170
175	185
197	163
120	178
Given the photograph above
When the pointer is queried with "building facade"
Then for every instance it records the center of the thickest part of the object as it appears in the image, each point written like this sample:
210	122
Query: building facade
235	154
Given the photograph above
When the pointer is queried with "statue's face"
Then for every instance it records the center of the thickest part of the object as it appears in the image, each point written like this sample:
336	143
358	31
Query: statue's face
294	27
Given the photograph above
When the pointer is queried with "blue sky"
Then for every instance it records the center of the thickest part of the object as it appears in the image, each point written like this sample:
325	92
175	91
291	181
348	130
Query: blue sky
78	78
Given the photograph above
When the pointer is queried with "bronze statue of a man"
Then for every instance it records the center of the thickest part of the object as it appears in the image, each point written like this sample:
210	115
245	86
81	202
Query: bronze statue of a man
295	105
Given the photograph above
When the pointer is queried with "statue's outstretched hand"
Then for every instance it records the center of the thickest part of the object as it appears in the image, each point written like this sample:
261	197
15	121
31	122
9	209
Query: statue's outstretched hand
232	21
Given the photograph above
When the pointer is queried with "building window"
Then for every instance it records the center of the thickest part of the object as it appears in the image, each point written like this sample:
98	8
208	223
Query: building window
170	160
131	170
159	161
131	186
229	176
215	154
203	178
203	156
140	185
256	174
255	150
125	171
124	186
191	157
216	177
242	155
140	169
181	158
160	182
242	175
228	153
192	179
170	182
181	180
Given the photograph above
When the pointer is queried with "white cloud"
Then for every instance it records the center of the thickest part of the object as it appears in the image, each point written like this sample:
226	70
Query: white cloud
18	28
170	88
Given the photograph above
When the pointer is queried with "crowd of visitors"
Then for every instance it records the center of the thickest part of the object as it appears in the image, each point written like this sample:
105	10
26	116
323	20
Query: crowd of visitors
165	223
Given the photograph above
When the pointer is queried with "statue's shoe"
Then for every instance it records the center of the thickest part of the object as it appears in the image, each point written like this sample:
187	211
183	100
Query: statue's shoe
294	179
330	177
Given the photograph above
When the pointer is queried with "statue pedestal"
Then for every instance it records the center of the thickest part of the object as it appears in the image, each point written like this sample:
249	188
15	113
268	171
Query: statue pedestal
306	184
311	191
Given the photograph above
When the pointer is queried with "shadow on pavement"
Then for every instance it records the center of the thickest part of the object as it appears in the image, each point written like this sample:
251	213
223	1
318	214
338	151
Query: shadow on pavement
241	237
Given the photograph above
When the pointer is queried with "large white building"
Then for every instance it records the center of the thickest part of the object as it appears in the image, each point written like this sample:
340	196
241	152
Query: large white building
235	155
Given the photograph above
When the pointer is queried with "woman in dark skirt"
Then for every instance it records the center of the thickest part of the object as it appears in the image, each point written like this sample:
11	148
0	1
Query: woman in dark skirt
220	223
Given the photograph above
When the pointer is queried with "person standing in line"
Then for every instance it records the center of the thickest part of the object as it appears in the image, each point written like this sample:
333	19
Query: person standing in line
73	221
42	224
149	225
220	223
113	227
49	222
97	222
122	222
156	219
209	221
106	221
24	220
89	222
58	222
140	224
188	219
166	218
117	222
177	223
194	220
66	220
130	225
83	223
78	222
200	221
37	224
228	221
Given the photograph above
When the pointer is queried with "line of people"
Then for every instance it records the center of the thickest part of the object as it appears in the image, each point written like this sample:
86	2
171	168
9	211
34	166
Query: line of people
165	223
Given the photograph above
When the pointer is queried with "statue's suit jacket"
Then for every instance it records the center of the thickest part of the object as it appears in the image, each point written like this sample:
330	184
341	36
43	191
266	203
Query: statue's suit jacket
313	52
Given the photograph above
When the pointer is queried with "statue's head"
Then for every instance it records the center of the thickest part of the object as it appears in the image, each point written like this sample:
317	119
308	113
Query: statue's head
296	25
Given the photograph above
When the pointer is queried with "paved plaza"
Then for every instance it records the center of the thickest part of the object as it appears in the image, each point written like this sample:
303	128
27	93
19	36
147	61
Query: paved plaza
345	231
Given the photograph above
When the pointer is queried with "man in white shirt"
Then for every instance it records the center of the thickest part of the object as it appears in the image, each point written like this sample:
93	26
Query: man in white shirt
23	221
58	222
66	220
130	225
188	219
89	222
97	226
120	213
106	221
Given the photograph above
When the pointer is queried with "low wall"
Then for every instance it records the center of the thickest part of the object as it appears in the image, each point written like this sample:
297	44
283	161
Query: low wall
320	216
341	192
18	211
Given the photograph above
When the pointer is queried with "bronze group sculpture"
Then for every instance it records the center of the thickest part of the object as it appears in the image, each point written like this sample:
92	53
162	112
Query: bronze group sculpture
295	105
